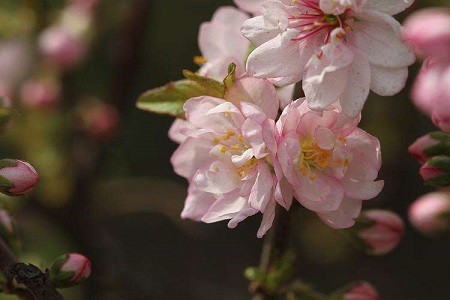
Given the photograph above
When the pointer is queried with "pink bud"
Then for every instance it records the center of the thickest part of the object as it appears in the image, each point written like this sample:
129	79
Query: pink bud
20	175
428	172
429	31
40	94
441	105
424	213
362	291
62	47
101	121
385	233
79	264
418	147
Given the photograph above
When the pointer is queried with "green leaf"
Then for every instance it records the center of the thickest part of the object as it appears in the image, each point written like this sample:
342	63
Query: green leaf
212	87
230	78
169	99
439	135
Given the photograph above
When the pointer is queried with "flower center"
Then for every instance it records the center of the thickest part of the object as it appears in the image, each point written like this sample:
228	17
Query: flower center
313	158
233	144
315	21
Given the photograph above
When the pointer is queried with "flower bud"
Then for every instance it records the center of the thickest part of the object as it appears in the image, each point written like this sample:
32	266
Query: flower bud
70	270
62	47
436	171
17	177
382	231
40	94
418	148
428	172
428	213
429	31
361	291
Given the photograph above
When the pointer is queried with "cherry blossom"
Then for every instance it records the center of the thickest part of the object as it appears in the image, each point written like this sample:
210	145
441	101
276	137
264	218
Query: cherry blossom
429	32
339	49
330	163
228	154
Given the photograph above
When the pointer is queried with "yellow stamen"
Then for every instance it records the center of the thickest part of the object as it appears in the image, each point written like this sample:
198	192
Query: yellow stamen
223	149
199	60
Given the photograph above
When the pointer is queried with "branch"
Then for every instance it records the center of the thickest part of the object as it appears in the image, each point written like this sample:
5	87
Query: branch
275	244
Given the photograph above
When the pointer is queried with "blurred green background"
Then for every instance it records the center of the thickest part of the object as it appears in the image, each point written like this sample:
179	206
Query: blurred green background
118	200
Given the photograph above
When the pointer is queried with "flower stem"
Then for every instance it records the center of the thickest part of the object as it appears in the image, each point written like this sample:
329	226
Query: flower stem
275	244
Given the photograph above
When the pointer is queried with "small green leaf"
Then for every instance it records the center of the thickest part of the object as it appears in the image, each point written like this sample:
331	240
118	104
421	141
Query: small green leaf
212	87
230	78
169	99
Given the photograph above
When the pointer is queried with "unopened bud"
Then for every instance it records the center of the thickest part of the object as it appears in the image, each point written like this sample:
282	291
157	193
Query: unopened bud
419	147
430	214
361	291
436	171
40	94
17	177
377	231
70	270
62	47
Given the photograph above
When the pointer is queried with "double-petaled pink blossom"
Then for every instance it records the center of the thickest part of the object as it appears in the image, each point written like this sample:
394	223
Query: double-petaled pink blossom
227	154
330	163
340	49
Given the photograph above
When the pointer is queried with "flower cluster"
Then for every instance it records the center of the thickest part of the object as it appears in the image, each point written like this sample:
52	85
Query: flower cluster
239	161
253	148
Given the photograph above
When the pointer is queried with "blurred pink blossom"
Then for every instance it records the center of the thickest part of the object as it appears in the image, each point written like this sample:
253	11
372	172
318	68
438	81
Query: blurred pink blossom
425	214
331	164
40	94
62	47
252	6
385	233
428	31
337	48
362	291
227	155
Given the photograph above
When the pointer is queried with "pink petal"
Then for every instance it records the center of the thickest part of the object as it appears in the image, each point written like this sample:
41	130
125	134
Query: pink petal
387	81
197	204
191	156
358	87
257	91
344	216
390	7
378	36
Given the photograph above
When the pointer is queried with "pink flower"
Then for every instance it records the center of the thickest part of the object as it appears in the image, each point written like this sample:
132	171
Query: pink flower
252	6
429	31
429	172
228	154
330	163
70	270
62	47
426	213
221	43
385	233
35	93
361	291
340	49
20	177
417	149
